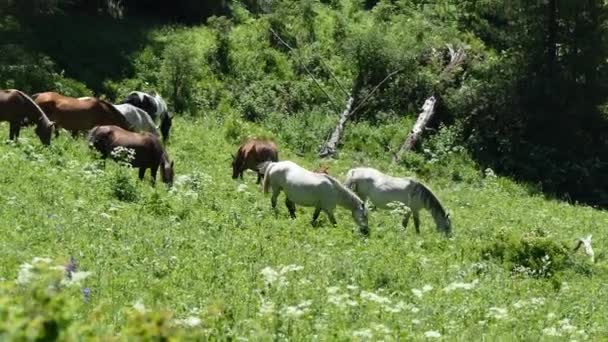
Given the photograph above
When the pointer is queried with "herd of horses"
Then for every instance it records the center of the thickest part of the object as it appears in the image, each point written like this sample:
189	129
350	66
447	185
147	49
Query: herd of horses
132	124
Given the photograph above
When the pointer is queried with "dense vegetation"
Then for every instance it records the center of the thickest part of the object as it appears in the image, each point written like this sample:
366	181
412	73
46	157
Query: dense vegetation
528	103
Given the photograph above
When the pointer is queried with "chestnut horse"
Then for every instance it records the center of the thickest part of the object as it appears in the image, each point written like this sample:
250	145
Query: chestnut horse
78	115
16	108
251	154
149	151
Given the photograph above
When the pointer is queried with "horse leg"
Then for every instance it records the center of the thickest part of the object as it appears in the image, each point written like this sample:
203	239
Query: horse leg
417	221
331	217
406	219
142	172
13	130
259	178
74	134
315	216
153	171
291	207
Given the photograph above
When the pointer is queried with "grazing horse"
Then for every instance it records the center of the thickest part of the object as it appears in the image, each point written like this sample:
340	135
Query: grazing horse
16	108
77	115
251	154
311	189
149	152
139	120
383	189
155	106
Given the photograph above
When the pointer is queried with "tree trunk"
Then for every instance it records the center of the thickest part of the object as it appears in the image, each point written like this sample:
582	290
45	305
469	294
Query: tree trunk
457	57
331	145
428	109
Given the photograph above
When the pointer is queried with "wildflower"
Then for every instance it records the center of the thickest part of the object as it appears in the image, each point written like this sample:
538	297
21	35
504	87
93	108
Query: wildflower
363	333
87	293
375	297
419	292
497	313
432	334
190	321
76	278
551	331
241	188
415	321
458	285
139	306
71	267
297	310
266	308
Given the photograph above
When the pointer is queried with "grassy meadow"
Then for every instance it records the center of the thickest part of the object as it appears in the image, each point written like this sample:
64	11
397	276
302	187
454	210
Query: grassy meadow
209	259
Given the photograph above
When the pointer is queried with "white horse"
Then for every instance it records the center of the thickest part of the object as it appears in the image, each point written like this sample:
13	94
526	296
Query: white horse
383	189
139	120
311	190
155	106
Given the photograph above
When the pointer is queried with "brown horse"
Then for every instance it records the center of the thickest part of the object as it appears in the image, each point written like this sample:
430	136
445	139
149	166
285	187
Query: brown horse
16	108
251	154
77	115
149	152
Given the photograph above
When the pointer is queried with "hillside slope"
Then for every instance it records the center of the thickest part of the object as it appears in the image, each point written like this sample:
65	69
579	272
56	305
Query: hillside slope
212	252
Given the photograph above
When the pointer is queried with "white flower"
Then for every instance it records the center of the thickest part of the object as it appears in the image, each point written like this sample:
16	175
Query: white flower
76	278
139	306
333	289
25	274
432	334
418	293
551	332
298	310
266	308
241	188
458	285
374	297
415	321
498	313
270	275
190	321
41	260
363	333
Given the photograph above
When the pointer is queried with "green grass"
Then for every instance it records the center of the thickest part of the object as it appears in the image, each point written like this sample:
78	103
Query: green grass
206	249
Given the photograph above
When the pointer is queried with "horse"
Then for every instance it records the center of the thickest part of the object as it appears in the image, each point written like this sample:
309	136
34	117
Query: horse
139	120
77	115
149	151
383	189
311	189
155	106
251	154
17	108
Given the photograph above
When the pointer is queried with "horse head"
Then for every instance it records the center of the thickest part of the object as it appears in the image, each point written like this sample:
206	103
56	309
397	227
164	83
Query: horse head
44	129
167	173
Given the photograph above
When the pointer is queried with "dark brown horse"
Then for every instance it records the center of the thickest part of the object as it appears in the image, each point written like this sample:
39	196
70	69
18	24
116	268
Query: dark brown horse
77	115
149	152
16	108
251	154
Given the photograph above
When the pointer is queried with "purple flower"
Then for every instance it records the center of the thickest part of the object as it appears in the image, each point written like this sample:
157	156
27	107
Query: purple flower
71	267
86	292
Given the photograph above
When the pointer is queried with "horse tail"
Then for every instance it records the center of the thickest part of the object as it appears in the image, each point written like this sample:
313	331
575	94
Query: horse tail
35	105
432	204
266	167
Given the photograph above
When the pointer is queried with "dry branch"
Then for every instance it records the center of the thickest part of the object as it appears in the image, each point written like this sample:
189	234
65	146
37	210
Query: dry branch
428	109
457	57
331	146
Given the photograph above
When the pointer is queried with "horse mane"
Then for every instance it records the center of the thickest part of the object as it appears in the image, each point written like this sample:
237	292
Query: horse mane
36	106
431	202
123	119
352	196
